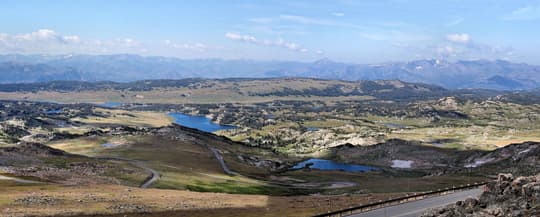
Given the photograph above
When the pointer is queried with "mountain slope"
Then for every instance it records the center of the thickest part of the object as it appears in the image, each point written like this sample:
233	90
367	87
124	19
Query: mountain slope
14	72
501	75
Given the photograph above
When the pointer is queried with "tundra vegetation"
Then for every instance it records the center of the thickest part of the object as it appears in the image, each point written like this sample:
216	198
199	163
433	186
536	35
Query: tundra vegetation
80	156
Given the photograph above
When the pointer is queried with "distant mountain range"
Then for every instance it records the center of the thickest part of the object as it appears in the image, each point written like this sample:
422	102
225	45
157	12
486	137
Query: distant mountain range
498	74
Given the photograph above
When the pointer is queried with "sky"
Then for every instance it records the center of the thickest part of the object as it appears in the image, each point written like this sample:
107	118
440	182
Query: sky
359	31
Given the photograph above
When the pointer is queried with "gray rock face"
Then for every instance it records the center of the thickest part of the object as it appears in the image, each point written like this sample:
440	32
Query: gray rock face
507	196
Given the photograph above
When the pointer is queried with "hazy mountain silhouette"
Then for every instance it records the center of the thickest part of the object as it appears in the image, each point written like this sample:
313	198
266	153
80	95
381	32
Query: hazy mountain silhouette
498	74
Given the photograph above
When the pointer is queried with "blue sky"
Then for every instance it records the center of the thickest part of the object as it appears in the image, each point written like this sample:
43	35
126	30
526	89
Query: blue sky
342	30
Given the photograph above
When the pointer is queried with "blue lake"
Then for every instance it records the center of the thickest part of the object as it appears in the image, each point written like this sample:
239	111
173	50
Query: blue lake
198	122
322	164
54	111
111	104
394	125
107	145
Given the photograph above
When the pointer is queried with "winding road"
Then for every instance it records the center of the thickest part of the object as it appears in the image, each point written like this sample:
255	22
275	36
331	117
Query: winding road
416	208
222	162
153	178
154	175
321	185
24	181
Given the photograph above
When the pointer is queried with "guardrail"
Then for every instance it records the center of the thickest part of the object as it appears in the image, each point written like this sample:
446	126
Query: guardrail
397	201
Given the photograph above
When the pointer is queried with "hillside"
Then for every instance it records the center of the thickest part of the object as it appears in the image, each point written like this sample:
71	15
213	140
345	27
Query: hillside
424	135
242	90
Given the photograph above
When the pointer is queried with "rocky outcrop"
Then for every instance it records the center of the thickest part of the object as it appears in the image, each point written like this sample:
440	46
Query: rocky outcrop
507	196
518	159
272	165
33	149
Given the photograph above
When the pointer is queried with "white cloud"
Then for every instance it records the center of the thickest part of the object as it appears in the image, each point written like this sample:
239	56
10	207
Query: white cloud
262	20
3	36
237	37
314	21
72	39
375	36
458	38
197	46
470	50
128	42
47	41
447	51
42	34
277	43
524	13
51	42
455	22
393	36
302	20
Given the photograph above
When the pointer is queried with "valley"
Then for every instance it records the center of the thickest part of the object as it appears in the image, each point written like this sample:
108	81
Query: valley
269	108
363	141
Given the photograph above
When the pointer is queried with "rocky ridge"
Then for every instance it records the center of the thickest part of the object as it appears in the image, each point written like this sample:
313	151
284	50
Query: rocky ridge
507	196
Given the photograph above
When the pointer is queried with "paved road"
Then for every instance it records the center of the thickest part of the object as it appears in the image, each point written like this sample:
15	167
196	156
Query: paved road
414	209
154	175
24	181
153	179
319	185
222	162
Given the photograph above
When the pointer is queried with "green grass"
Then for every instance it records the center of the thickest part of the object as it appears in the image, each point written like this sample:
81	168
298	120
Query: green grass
181	164
233	187
228	186
134	178
59	162
10	183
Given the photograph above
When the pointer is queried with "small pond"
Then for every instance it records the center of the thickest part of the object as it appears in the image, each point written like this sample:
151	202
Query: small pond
54	111
108	145
198	122
395	125
322	164
111	104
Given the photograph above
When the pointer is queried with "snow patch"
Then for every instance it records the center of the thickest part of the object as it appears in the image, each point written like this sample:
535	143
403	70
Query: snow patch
478	162
403	164
524	151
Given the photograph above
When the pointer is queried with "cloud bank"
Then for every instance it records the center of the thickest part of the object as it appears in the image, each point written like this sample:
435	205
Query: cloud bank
275	43
458	38
49	41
